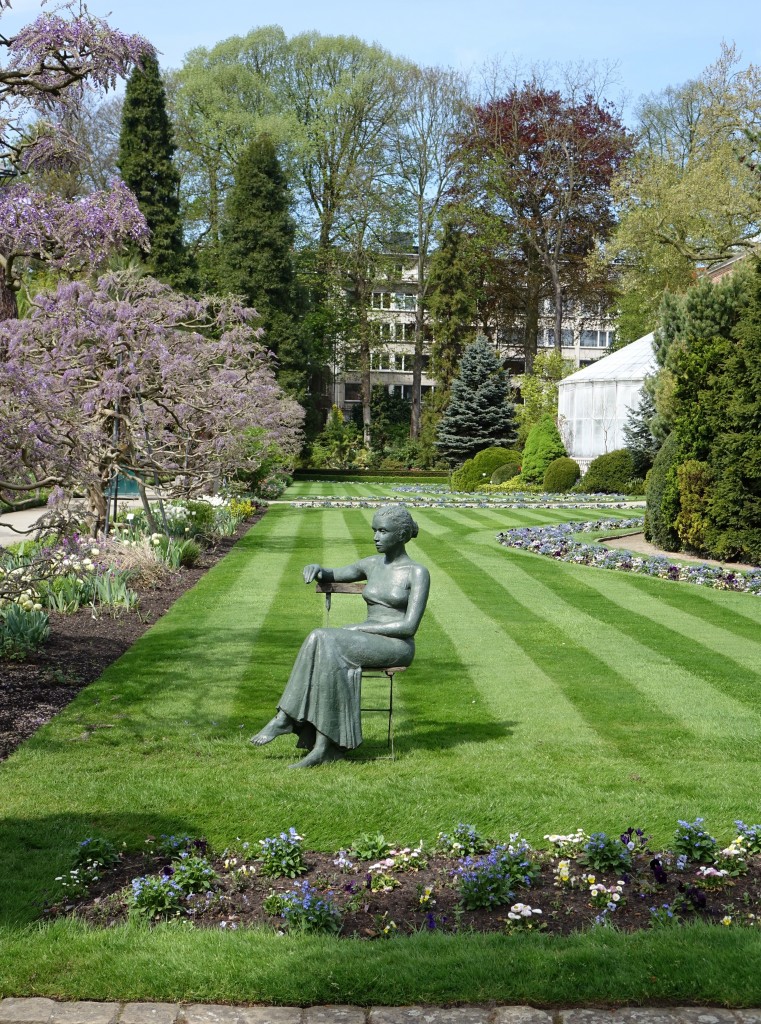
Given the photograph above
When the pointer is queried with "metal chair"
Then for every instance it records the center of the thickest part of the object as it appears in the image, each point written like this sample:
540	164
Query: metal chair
328	589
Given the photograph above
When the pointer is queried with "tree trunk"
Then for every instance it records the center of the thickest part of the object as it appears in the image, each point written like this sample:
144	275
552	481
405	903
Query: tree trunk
417	365
558	289
8	303
533	302
97	501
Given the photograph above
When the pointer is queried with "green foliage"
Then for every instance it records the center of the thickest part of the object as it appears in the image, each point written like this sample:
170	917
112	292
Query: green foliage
256	256
694	842
369	846
479	470
638	433
478	415
464	840
606	854
304	909
178	552
390	414
165	895
146	148
282	856
694	481
339	445
539	390
22	632
453	303
543	445
560	475
662	493
710	348
509	469
609	473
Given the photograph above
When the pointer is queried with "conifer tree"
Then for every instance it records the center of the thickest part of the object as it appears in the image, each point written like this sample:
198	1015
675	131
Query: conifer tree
258	234
146	148
478	415
453	303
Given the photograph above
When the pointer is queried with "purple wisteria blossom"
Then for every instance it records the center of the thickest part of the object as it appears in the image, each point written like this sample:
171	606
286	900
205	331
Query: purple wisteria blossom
47	60
128	376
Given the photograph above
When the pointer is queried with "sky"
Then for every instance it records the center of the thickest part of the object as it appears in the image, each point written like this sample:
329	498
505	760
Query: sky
653	43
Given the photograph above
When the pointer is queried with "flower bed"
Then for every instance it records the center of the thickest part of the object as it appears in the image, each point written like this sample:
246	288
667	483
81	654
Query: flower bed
463	881
558	542
441	497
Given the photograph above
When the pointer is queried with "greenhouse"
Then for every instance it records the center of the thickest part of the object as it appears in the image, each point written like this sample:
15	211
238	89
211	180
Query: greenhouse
594	403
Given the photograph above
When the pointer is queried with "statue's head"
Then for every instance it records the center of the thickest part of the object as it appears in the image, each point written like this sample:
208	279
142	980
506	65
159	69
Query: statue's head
399	518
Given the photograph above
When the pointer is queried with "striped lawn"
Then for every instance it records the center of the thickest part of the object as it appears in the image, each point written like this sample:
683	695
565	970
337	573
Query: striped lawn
544	696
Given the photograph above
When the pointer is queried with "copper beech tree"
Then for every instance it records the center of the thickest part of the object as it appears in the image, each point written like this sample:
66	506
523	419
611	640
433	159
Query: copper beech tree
127	376
43	69
534	174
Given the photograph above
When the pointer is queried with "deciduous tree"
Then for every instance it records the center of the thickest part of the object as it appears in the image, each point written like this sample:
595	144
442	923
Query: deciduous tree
536	165
45	66
128	376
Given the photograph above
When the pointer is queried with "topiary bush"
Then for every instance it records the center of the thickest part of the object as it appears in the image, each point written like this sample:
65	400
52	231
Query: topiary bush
543	445
662	493
561	475
609	473
507	470
478	470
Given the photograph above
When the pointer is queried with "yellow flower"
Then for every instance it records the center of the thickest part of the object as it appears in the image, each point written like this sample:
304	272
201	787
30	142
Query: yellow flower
726	920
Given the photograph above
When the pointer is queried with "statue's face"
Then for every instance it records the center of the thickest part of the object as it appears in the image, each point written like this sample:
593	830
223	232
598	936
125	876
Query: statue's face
386	533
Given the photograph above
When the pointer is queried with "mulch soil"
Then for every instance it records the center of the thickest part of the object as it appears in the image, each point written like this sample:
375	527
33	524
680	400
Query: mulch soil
82	646
237	899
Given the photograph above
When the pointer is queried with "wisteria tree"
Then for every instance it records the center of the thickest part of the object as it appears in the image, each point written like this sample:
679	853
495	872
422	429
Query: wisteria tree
127	376
43	69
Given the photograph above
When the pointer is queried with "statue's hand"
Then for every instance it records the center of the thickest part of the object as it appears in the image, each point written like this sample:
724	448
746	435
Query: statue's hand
312	572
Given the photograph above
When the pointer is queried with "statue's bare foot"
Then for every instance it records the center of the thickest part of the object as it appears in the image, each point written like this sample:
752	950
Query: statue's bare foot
324	750
280	725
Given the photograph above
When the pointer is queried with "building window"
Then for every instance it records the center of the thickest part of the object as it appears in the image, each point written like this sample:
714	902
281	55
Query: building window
380	360
546	338
380	300
352	393
402	300
351	359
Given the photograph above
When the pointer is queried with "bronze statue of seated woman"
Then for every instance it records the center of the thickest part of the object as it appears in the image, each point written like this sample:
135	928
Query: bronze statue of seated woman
321	700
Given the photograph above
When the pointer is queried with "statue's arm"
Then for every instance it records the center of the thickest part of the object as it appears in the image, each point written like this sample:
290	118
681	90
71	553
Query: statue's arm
344	574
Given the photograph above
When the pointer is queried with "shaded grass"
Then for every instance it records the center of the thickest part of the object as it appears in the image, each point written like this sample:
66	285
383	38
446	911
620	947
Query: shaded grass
697	964
544	696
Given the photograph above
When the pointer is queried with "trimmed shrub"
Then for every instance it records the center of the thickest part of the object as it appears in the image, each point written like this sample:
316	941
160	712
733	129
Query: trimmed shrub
609	473
561	475
733	513
543	445
507	470
662	493
694	480
478	470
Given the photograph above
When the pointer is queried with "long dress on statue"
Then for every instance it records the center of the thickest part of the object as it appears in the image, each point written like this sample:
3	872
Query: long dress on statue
324	685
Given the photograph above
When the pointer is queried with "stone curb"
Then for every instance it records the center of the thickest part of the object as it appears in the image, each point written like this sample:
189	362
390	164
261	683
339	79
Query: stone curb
38	1010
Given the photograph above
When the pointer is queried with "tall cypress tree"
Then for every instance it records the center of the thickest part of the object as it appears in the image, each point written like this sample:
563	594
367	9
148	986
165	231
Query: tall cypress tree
146	148
258	234
453	303
478	415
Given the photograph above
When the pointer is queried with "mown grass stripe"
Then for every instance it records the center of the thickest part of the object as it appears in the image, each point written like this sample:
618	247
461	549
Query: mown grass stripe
481	638
688	698
604	698
631	604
